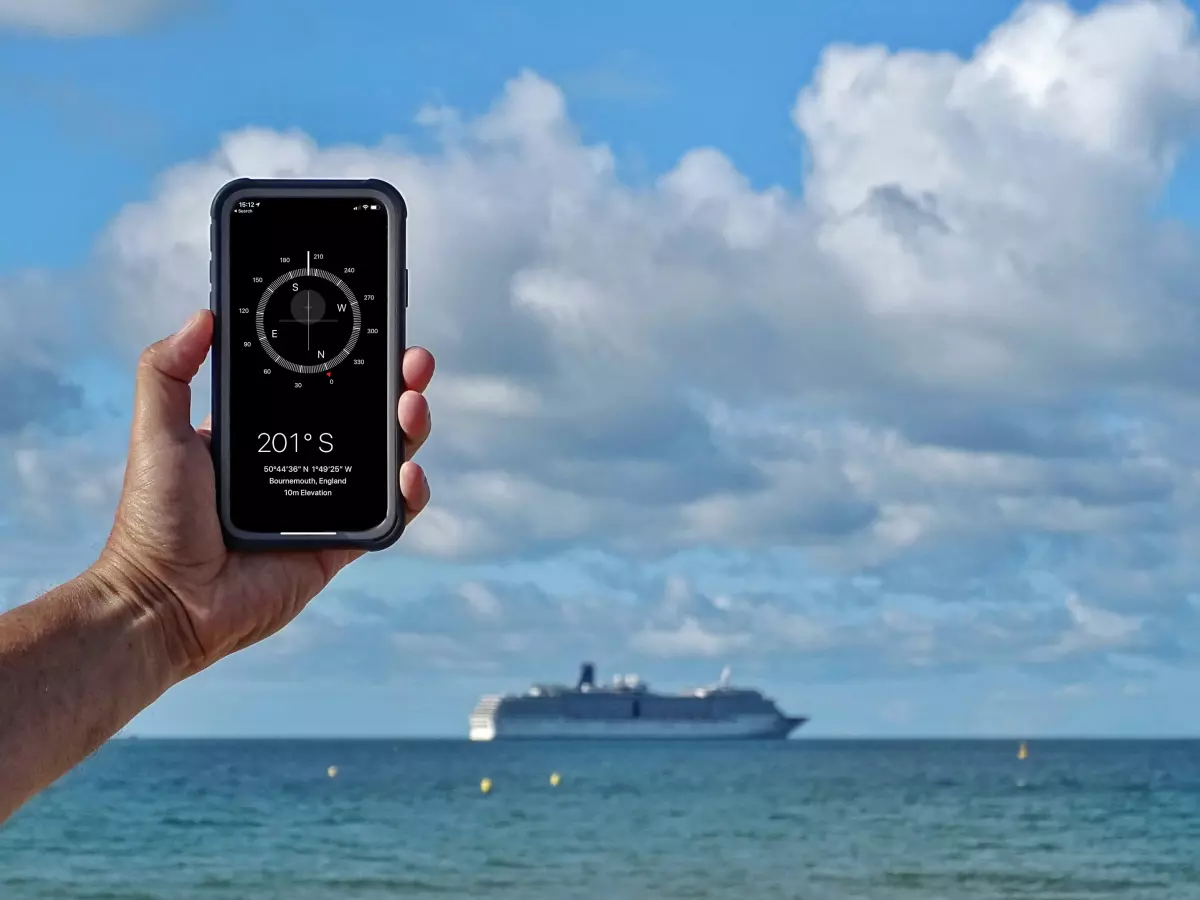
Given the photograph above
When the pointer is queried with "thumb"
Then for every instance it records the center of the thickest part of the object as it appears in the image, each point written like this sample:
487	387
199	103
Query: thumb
163	397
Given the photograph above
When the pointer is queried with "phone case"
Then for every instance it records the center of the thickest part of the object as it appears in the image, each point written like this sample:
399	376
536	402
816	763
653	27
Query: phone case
398	304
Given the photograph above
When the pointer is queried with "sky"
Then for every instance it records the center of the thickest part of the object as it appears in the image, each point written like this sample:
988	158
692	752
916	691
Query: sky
852	346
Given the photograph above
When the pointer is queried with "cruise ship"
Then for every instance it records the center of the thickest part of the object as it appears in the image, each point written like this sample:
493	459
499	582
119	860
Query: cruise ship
628	710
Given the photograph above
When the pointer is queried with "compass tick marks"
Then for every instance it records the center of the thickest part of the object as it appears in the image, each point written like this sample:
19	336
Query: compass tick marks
331	328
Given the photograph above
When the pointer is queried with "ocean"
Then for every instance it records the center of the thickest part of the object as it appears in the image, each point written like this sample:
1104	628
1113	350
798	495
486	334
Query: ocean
811	819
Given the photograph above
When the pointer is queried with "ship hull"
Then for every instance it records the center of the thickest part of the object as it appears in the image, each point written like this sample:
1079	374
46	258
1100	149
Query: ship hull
757	728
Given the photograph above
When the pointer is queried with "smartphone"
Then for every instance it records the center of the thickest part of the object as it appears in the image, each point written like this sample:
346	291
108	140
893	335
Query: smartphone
309	285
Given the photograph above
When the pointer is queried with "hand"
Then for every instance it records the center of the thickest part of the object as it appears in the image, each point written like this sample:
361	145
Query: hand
166	553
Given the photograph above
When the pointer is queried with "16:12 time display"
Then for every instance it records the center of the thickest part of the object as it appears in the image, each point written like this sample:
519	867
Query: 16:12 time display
282	443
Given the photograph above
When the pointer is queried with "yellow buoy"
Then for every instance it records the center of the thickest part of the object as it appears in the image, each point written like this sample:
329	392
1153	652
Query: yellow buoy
486	785
331	771
1022	751
555	778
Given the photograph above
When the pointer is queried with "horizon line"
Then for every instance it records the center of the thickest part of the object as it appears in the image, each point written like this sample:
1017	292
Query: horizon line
1015	738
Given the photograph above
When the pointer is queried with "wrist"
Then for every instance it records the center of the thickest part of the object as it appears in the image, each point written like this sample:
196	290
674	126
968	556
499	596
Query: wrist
77	663
153	616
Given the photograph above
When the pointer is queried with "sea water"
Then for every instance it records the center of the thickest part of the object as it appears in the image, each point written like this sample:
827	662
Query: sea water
251	820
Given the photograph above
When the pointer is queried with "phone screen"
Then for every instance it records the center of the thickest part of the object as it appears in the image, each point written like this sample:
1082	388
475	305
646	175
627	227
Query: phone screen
307	397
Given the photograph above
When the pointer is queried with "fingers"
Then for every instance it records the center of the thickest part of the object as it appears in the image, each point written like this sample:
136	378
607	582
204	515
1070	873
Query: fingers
413	410
413	413
162	398
417	368
414	488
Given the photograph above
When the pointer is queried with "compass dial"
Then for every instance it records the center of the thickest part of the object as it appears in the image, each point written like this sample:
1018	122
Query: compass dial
308	321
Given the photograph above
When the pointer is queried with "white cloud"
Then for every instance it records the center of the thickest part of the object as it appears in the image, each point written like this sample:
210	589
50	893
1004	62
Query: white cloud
63	476
689	640
932	343
481	602
70	18
517	629
961	362
1092	630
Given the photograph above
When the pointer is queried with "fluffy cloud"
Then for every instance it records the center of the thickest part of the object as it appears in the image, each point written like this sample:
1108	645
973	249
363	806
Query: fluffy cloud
38	332
70	18
966	324
56	472
959	365
518	630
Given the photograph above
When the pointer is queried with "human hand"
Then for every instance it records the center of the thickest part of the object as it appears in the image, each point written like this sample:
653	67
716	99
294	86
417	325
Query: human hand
166	554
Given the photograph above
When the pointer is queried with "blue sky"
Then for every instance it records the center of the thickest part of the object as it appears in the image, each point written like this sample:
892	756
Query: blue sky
852	347
652	81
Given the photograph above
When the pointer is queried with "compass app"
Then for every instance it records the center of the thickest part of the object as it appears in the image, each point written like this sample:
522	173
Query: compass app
308	408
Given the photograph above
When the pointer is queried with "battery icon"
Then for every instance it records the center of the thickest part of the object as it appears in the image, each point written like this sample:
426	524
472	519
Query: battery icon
374	206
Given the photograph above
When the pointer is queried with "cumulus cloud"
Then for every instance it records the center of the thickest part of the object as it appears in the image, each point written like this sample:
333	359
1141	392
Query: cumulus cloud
54	469
72	18
967	322
519	630
960	364
39	331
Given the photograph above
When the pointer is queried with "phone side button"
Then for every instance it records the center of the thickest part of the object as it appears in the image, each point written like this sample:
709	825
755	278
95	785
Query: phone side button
406	287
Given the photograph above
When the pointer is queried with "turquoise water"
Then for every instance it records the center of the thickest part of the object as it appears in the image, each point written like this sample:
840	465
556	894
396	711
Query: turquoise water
803	819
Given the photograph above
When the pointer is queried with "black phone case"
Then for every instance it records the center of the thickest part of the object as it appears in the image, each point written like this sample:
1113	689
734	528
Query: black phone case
399	309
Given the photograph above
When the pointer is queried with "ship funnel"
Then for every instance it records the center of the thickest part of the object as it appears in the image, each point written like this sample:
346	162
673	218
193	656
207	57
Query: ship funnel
587	675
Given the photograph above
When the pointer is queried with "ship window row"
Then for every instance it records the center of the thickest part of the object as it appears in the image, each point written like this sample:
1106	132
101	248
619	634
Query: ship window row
624	707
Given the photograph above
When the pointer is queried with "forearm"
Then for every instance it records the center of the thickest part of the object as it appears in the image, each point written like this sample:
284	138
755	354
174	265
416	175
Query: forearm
75	666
